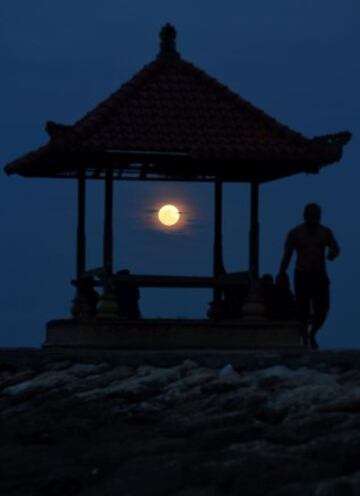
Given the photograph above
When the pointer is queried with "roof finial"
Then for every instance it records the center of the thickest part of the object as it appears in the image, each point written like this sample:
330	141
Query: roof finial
168	40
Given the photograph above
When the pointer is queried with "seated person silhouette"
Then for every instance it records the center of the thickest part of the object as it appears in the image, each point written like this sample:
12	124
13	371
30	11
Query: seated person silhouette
127	296
277	297
87	297
234	297
231	303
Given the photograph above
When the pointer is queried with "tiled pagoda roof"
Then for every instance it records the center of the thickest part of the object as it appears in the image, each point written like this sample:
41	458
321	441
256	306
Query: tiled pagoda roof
170	113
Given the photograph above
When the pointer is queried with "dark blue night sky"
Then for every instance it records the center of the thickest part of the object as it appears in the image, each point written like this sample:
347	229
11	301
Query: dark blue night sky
297	60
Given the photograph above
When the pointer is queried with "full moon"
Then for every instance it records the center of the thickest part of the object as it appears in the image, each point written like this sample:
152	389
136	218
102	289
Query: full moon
169	215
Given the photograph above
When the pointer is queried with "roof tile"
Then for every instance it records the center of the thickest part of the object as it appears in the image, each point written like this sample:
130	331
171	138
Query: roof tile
173	106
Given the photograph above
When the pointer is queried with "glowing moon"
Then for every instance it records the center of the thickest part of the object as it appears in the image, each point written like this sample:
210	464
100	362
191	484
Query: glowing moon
169	215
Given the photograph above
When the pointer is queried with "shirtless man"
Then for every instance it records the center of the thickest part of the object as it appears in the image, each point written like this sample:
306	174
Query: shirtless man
310	241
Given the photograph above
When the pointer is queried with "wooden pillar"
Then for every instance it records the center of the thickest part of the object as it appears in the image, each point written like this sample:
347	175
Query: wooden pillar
81	236
108	223
253	307
218	251
79	307
107	307
254	232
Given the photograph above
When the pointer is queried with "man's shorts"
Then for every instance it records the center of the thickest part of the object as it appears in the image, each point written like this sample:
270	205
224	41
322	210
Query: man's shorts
312	295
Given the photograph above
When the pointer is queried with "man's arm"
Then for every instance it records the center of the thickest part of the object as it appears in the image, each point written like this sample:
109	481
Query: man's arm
334	249
288	251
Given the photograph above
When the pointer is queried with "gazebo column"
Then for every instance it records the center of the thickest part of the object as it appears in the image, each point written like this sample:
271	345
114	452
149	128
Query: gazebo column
80	306
108	223
218	250
81	236
253	308
215	309
254	232
107	307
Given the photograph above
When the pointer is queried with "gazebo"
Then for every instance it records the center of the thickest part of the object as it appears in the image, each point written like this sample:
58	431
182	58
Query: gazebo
173	122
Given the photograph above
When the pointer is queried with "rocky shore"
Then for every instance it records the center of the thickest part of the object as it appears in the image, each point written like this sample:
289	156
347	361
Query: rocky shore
185	424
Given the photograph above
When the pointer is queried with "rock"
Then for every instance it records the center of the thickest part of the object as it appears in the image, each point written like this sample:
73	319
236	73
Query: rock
8	380
227	380
147	382
350	377
62	365
46	381
103	379
223	437
302	429
342	486
72	427
294	490
351	403
187	366
34	438
227	370
200	491
81	370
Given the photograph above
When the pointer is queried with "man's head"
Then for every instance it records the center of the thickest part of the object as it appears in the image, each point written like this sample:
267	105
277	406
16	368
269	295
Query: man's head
312	214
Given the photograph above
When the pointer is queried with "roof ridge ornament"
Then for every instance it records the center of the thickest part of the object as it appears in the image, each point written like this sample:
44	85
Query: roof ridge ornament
59	133
341	138
168	41
54	129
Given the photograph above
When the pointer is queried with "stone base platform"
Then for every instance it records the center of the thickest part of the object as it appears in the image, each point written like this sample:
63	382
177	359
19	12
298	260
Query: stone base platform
172	334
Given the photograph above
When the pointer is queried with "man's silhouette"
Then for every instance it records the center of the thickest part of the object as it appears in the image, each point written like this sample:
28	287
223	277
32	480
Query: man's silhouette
310	240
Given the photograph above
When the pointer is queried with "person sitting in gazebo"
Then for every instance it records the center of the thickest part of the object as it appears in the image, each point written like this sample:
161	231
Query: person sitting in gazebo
86	299
127	296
